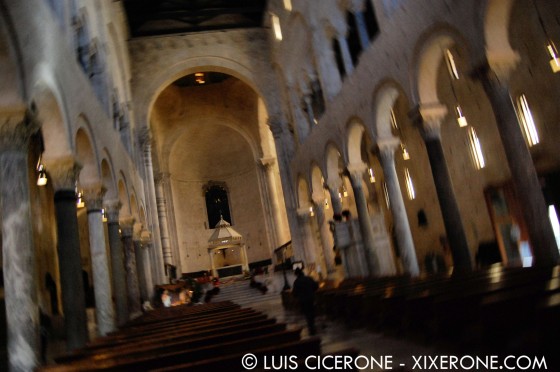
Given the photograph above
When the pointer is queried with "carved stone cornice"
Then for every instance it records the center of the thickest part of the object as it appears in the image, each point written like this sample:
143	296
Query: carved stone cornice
63	172
267	163
17	125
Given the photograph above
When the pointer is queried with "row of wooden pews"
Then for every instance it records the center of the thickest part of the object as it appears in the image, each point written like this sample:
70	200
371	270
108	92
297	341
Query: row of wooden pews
209	337
497	310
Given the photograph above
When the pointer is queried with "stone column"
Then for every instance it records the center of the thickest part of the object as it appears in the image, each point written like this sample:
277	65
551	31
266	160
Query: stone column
147	246
284	149
524	175
112	209
346	57
356	172
400	219
162	214
268	167
310	252
64	173
140	268
431	123
20	289
334	187
324	231
157	267
104	310
133	290
212	264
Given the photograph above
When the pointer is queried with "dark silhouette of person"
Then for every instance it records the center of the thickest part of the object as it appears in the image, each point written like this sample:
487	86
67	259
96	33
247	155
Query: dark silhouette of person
303	290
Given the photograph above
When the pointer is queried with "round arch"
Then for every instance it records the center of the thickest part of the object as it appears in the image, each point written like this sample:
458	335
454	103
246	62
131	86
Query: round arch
85	154
157	82
429	55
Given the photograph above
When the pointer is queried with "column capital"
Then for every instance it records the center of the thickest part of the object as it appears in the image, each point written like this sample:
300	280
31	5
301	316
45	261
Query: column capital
386	147
64	172
17	125
93	196
318	198
127	226
112	209
303	213
145	137
428	116
334	184
161	178
503	63
145	238
356	169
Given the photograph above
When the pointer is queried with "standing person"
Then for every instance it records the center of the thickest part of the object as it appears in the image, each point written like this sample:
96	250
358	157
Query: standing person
304	289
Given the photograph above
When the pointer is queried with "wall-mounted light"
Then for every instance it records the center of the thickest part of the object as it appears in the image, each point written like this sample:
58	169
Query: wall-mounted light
461	119
371	175
104	215
405	154
311	212
199	77
327	203
344	192
80	202
554	59
42	179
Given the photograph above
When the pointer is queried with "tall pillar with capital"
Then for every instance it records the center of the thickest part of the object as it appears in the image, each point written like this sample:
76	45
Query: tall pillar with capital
64	174
112	209
273	196
104	310
147	246
402	228
380	261
20	290
282	140
310	250
157	266
162	214
133	290
495	80
430	127
324	231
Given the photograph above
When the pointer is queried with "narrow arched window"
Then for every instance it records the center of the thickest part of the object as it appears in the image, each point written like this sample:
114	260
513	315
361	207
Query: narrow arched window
217	204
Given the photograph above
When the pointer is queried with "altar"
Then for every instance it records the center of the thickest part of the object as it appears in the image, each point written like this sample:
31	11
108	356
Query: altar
227	251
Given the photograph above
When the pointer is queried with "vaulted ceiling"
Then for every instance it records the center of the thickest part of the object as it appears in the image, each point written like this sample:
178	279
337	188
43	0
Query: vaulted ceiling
164	17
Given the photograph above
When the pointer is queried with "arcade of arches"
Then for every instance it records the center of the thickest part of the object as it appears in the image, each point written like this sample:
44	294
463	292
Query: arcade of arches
380	137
